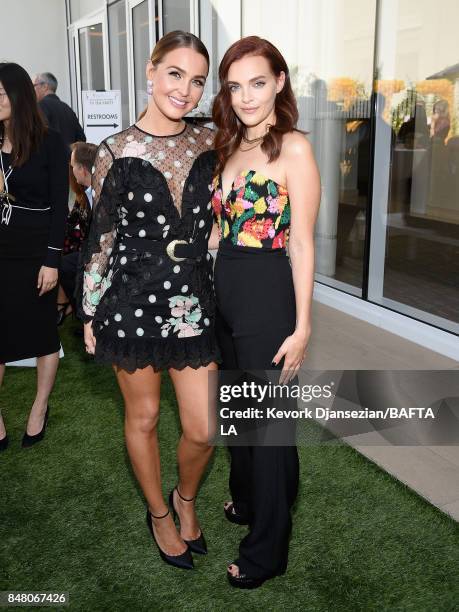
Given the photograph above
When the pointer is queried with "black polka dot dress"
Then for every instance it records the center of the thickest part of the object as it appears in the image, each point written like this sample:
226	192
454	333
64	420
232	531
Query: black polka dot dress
149	306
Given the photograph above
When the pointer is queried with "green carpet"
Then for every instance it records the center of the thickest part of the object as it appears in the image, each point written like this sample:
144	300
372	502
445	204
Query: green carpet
72	518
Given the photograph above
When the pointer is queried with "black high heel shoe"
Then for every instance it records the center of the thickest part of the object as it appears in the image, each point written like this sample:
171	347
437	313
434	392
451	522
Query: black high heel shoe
243	581
199	545
183	561
28	440
62	313
4	443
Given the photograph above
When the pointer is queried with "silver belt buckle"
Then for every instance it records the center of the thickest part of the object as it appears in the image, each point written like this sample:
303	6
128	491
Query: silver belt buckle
170	249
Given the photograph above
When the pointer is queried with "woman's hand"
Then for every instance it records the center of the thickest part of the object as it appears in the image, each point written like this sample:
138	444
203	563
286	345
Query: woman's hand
47	279
89	339
293	350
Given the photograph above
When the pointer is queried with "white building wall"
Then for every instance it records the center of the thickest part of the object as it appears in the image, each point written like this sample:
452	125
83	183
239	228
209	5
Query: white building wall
34	36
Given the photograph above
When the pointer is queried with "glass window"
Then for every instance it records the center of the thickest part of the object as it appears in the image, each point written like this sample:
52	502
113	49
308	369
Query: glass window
81	8
328	47
91	57
141	42
415	264
118	56
176	15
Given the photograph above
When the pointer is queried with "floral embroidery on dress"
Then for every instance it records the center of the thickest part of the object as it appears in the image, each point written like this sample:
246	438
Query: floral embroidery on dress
186	312
256	212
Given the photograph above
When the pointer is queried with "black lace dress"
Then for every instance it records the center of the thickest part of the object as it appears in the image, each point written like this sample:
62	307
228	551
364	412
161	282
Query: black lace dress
151	301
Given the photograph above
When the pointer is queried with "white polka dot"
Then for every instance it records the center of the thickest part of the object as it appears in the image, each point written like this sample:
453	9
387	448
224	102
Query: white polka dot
196	131
177	163
170	143
206	321
93	169
189	153
207	235
167	174
141	214
118	317
182	182
209	206
208	256
109	251
196	209
184	289
110	261
161	219
176	269
158	319
161	155
124	222
166	228
152	298
191	139
130	196
101	153
142	233
148	197
209	141
106	322
93	193
164	333
202	223
122	247
139	331
130	138
101	181
138	312
123	260
121	333
167	284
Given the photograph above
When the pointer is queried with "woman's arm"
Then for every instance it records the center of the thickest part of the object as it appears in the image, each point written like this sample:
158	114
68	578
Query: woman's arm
214	238
100	241
303	184
58	189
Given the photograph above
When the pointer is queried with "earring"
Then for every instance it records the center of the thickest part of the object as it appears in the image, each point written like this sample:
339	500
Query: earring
149	87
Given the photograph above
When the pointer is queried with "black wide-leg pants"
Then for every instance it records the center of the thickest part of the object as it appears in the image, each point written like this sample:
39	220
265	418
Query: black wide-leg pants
256	312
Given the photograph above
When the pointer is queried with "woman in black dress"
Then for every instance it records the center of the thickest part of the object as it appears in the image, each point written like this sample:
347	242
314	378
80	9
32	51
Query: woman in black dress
147	294
33	208
265	196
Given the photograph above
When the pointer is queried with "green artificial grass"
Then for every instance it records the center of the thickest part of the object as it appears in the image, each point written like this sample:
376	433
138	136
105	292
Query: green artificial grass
72	517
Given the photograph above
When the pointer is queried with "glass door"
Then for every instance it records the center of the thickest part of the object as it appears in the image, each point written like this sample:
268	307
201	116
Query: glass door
414	262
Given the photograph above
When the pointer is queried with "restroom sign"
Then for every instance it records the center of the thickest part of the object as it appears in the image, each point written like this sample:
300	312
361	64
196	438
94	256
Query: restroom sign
101	114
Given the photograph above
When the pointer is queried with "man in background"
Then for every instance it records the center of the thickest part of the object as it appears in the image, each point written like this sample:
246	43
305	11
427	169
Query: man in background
81	163
59	115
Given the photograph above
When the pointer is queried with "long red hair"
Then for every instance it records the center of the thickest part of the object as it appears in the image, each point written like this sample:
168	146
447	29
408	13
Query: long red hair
230	128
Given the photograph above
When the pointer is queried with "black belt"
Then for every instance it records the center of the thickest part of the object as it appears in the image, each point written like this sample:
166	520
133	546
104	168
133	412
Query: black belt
177	250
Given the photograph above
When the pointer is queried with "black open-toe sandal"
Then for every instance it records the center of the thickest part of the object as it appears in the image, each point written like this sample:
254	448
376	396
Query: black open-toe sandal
244	581
235	517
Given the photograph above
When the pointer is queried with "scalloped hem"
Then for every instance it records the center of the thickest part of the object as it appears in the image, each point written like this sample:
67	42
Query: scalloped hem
132	354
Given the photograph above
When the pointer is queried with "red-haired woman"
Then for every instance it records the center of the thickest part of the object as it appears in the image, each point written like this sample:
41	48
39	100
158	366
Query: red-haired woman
147	296
265	196
33	209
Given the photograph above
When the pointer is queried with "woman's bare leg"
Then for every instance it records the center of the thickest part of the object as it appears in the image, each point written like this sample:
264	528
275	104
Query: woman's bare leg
46	375
141	393
193	452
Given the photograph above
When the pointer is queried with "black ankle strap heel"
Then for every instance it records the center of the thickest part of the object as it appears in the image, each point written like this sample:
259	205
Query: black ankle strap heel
199	545
183	561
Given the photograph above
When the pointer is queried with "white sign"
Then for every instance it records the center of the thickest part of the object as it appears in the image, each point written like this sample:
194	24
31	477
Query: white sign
101	114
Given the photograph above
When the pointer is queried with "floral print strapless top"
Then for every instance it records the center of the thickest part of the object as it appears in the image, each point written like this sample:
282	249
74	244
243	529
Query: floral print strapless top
255	213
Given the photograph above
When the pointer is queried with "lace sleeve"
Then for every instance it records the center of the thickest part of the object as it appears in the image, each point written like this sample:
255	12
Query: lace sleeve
102	232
